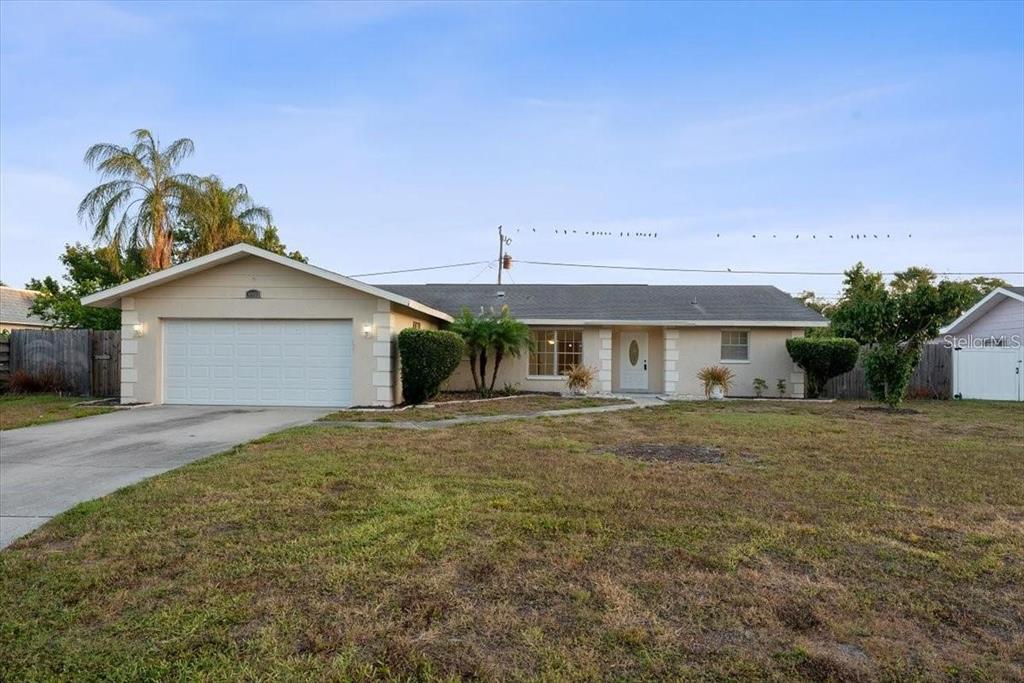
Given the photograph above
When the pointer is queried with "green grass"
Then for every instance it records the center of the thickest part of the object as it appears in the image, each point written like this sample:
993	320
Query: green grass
830	544
516	405
33	409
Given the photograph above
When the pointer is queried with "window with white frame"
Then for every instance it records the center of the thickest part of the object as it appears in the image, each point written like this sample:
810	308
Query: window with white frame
555	351
735	345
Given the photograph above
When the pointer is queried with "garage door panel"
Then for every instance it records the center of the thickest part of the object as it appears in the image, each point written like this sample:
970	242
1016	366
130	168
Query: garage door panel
258	362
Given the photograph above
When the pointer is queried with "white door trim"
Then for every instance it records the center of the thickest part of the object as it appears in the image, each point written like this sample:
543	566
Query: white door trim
634	371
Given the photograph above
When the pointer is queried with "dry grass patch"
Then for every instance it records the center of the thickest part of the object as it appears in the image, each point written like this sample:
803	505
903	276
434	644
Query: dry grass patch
515	405
33	409
855	546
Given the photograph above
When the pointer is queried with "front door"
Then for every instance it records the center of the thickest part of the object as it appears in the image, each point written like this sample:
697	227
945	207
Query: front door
633	361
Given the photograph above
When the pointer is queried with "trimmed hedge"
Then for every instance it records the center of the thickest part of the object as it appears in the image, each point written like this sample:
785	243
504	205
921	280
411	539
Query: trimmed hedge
428	358
822	359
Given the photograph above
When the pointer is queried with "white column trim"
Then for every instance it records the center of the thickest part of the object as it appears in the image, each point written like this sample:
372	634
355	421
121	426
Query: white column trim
381	377
671	362
604	355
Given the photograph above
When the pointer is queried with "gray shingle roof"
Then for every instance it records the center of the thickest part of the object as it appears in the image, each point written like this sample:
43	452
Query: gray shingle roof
1016	290
690	303
14	306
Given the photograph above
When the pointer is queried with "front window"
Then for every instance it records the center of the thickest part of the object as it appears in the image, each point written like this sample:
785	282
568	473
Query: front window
735	345
554	351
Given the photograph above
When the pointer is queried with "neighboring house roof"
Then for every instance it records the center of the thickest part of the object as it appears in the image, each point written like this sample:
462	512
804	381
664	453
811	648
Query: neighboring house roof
753	305
110	297
15	305
978	310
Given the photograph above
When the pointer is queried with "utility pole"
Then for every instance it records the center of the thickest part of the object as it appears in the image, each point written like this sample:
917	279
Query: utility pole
502	242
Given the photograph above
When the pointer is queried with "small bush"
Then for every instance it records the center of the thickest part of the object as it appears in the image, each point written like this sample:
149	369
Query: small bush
47	381
579	378
428	358
887	370
716	376
760	386
780	386
822	359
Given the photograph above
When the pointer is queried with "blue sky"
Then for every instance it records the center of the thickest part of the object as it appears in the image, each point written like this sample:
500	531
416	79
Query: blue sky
400	135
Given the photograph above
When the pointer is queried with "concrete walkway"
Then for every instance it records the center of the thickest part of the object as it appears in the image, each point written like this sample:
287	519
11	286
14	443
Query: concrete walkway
44	470
638	401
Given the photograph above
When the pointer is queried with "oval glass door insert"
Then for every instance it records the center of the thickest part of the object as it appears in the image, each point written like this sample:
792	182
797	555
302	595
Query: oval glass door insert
634	352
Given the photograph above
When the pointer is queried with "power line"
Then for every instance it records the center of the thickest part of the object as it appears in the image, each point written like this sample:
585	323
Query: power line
739	272
415	270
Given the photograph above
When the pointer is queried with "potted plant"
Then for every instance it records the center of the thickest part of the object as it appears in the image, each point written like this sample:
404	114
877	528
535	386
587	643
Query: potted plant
717	381
579	378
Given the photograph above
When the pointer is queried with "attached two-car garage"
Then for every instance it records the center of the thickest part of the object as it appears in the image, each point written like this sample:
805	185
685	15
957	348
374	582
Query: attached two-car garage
258	362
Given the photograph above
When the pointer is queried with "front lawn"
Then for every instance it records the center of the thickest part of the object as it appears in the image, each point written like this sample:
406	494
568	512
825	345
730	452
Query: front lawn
737	540
33	409
515	405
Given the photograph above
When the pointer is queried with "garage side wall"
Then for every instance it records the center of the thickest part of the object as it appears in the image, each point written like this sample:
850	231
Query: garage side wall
403	318
220	293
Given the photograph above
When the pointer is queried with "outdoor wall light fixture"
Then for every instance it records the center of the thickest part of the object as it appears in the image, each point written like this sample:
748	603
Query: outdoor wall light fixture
367	329
139	329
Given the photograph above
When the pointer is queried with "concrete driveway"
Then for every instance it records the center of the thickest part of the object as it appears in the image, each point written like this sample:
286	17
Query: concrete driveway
45	470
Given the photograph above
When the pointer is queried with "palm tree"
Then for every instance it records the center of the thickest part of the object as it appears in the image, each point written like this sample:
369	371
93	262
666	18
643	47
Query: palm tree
499	333
136	207
508	336
214	216
473	331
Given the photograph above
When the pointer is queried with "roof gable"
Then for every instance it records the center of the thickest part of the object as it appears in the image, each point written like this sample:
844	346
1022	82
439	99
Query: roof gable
110	297
980	309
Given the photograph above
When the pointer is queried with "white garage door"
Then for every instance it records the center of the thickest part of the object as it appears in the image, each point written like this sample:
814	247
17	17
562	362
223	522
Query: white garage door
993	373
258	362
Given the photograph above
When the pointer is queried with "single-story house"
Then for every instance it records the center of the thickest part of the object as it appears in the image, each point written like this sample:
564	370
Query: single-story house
988	347
244	326
15	307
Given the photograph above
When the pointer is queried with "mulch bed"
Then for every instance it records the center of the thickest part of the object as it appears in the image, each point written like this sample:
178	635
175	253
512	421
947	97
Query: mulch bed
659	452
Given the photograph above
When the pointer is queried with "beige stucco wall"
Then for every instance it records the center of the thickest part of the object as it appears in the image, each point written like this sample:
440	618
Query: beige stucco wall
220	293
769	360
672	370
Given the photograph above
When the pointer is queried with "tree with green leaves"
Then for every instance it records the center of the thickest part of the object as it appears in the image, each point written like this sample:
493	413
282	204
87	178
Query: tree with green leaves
495	334
508	337
86	271
894	322
214	216
135	208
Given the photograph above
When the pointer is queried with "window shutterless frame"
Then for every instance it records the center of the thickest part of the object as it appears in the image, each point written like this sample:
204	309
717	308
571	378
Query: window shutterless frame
555	351
735	346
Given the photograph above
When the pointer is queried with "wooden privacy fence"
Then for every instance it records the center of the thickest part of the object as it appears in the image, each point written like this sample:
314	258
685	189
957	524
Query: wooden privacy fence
932	378
88	361
5	362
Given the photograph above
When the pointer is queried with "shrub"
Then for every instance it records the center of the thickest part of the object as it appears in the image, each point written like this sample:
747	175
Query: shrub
46	381
716	376
887	370
781	387
759	386
822	359
428	358
579	378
